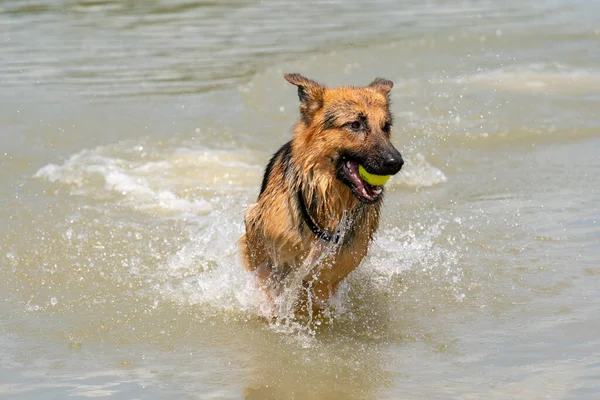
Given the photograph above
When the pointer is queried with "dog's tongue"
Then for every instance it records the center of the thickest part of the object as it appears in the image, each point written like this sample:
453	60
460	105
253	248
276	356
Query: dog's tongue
365	190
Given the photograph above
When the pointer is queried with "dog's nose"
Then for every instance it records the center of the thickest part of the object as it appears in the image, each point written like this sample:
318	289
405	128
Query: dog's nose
393	162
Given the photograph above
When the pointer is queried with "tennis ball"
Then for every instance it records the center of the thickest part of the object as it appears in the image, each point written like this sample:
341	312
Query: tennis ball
372	179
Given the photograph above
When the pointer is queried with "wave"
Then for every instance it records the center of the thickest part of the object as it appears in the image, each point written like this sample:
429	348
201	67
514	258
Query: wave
169	181
539	77
188	180
417	172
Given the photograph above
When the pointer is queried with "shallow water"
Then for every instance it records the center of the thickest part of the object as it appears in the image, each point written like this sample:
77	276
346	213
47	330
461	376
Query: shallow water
134	134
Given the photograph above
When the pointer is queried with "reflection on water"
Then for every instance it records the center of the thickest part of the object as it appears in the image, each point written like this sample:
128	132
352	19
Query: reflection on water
134	134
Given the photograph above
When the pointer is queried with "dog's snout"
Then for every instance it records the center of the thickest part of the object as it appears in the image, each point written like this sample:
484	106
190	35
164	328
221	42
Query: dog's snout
392	162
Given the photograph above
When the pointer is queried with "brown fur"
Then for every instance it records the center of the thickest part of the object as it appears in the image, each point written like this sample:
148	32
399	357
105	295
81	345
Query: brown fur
278	244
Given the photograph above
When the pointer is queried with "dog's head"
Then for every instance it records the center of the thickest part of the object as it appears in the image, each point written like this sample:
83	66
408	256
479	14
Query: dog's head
343	128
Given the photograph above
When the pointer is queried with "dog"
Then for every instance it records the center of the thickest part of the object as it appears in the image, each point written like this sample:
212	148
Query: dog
315	215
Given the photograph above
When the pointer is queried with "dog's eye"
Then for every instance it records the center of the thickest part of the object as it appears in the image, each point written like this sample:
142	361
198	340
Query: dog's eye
356	125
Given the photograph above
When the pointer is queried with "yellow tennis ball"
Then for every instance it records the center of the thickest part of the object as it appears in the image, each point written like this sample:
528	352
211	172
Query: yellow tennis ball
372	179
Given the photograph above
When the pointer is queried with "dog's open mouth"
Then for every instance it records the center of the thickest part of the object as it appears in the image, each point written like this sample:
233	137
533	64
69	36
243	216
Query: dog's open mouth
365	192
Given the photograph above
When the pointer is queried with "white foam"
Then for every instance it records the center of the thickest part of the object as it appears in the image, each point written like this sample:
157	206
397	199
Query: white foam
182	181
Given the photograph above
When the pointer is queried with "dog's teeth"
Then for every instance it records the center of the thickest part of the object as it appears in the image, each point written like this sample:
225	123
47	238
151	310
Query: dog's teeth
378	190
348	164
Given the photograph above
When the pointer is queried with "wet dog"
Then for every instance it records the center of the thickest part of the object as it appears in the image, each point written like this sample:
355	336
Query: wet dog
316	214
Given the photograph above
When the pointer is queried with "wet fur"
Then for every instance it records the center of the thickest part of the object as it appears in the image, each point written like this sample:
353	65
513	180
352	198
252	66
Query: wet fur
279	245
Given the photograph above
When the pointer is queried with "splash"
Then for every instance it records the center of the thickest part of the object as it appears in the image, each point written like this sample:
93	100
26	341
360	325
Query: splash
208	190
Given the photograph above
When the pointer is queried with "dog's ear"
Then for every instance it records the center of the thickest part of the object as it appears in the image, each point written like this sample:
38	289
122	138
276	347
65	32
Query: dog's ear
382	85
310	93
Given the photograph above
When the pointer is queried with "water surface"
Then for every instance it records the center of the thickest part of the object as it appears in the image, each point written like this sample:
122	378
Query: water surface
134	134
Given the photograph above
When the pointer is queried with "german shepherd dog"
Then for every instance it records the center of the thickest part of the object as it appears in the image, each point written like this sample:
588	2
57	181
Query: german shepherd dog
315	216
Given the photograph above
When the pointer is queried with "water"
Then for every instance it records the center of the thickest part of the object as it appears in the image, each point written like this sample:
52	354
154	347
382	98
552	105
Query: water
134	134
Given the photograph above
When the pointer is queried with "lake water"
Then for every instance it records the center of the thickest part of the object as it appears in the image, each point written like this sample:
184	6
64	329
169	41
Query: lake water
134	134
